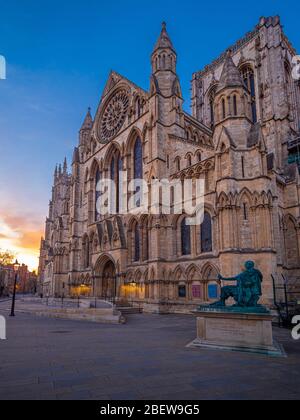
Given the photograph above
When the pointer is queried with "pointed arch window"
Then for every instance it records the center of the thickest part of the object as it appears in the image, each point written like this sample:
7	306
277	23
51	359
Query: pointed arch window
137	251
138	167
145	240
116	166
245	211
189	160
86	252
223	108
113	178
185	238
98	194
249	81
235	112
146	244
206	233
212	95
177	164
157	63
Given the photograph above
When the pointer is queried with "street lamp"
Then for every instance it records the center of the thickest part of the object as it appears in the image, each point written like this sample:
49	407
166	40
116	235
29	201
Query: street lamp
16	270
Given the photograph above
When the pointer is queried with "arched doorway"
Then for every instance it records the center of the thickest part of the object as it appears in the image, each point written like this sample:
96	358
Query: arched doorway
109	280
105	279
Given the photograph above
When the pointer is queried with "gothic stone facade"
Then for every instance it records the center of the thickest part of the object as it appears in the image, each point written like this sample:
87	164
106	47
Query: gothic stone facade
240	138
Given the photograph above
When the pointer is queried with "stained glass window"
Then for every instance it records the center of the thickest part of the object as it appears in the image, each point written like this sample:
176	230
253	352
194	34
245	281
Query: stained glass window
112	176
185	238
86	252
206	233
146	243
97	194
119	189
136	243
116	167
138	166
112	168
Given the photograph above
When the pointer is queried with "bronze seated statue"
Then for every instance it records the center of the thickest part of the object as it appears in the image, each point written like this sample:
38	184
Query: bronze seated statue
248	290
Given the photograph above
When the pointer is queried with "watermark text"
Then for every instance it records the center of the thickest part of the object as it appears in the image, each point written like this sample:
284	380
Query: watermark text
157	197
2	328
296	329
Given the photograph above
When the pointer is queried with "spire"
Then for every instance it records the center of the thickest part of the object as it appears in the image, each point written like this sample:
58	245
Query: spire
55	173
88	121
164	40
230	76
59	170
65	166
164	57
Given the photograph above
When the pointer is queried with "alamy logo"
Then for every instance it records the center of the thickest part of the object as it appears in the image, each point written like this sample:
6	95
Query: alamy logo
2	328
2	68
296	67
296	329
156	197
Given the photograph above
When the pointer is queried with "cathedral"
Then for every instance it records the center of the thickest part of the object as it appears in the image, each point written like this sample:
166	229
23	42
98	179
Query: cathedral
242	138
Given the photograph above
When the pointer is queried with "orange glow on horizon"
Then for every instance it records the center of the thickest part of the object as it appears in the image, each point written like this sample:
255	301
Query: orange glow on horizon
21	240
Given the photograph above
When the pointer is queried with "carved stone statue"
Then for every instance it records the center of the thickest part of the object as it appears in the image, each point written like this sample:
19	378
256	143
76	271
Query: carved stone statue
248	290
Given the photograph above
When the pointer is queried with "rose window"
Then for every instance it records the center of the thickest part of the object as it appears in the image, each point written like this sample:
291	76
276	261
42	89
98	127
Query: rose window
114	116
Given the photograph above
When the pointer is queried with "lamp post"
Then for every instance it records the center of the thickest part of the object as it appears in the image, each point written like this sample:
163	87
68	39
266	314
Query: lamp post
16	270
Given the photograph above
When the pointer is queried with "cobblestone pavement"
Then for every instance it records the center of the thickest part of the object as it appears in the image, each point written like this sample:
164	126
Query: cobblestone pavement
144	359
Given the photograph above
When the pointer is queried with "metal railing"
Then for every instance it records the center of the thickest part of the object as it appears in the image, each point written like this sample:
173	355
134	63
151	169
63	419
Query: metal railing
286	299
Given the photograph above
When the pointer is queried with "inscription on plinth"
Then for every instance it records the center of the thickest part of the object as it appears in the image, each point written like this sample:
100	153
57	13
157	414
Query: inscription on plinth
236	331
240	331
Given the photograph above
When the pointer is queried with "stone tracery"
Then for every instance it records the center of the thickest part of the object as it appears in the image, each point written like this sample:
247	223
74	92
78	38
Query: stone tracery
114	116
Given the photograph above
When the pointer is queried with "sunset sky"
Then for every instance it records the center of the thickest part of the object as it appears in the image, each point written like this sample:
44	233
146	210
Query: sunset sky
59	55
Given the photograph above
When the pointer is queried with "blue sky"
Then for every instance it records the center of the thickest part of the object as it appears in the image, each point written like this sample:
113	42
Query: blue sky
59	54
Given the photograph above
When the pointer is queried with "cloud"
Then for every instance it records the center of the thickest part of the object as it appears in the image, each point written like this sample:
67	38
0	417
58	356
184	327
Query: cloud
21	234
30	240
7	231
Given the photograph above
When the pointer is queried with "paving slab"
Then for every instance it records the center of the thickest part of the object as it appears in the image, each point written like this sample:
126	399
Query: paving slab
144	359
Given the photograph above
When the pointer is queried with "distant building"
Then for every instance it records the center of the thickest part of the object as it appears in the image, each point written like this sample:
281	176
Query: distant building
5	277
242	137
26	282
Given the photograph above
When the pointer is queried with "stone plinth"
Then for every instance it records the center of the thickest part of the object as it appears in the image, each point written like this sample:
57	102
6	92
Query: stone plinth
246	332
